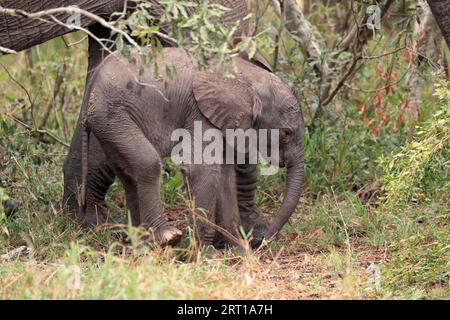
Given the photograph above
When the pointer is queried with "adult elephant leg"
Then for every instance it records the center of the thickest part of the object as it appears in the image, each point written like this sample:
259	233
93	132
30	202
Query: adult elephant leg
100	178
100	175
251	217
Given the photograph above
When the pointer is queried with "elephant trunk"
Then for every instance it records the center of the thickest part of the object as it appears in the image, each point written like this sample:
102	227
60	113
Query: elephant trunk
294	187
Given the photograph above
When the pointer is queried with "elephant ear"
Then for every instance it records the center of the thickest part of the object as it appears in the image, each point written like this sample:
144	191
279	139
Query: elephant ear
259	60
227	103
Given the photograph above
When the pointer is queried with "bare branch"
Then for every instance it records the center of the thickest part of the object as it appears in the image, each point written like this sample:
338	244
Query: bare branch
276	7
6	50
384	54
360	34
342	81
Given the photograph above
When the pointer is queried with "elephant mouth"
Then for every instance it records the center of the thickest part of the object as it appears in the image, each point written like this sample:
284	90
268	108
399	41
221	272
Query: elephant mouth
282	159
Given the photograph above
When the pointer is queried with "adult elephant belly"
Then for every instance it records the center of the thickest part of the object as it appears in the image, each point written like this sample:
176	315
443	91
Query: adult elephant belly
18	32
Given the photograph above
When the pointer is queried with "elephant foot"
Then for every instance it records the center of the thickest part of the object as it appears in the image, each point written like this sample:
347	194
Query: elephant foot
10	207
259	229
211	253
167	235
254	222
101	214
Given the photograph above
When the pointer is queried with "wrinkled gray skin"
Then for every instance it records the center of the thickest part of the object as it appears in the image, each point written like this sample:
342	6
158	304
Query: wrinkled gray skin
19	33
216	220
133	122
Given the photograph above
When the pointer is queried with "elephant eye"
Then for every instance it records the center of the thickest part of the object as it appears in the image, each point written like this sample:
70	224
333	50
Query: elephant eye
286	135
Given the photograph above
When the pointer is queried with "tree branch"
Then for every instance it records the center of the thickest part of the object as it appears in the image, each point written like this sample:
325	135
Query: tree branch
6	50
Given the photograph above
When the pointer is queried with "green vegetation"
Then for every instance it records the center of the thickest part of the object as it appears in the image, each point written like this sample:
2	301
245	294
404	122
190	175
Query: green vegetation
374	220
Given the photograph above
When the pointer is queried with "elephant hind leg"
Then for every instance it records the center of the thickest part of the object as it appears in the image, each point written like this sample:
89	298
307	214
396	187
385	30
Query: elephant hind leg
138	165
100	178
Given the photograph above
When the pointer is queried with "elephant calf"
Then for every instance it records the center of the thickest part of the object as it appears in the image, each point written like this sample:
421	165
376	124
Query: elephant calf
132	117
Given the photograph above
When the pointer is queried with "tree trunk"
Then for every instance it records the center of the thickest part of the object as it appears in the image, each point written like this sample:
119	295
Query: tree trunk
414	81
299	26
441	12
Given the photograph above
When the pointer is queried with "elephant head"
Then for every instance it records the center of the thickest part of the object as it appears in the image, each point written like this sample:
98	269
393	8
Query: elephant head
257	98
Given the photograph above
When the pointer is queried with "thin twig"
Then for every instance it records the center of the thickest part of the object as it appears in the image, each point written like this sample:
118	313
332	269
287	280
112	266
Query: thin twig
68	45
278	39
19	84
58	82
384	54
342	81
41	131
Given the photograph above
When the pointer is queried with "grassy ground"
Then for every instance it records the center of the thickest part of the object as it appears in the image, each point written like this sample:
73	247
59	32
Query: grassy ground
341	243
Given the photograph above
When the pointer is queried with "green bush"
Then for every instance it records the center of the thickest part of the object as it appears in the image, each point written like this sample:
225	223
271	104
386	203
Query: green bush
418	171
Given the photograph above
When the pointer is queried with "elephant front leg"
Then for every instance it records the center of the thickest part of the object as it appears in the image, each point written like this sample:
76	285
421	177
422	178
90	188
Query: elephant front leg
201	182
227	210
252	219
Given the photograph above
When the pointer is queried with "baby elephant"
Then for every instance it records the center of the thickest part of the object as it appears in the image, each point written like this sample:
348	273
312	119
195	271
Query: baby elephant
133	115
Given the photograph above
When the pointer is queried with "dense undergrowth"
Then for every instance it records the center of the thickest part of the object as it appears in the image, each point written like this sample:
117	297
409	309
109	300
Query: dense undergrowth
373	221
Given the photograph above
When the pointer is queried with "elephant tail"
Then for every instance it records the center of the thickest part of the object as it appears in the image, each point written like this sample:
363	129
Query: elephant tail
89	102
84	162
85	133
